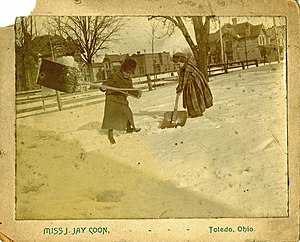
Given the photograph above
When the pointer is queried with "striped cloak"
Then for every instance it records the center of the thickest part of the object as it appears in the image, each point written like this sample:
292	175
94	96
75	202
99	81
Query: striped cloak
197	95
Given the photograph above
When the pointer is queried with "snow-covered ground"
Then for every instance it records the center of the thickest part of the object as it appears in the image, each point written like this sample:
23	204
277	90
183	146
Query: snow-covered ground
229	163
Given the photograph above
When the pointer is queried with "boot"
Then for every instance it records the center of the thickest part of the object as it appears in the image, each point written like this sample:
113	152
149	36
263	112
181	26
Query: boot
130	130
110	135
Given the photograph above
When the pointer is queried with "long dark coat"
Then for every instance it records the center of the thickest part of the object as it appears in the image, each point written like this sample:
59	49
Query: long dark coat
197	95
117	113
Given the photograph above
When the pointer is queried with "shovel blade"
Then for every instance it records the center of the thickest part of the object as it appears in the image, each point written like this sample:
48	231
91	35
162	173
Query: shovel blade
170	122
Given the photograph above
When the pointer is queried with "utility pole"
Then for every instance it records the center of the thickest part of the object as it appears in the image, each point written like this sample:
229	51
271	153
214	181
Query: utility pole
153	28
246	55
221	42
277	45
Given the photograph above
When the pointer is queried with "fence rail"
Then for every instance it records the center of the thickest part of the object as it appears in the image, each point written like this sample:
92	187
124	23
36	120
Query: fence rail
218	69
34	102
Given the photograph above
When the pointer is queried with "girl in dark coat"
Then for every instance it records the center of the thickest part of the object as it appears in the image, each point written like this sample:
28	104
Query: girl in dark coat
117	113
196	92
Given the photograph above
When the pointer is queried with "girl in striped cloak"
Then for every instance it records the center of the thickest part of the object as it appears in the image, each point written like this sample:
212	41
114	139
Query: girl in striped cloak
197	95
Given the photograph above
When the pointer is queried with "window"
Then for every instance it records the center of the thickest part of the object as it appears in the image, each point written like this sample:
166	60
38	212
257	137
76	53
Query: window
160	58
261	40
141	70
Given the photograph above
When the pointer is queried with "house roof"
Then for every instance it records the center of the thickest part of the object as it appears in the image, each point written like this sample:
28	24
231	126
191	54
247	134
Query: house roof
271	31
237	30
241	28
256	29
97	65
214	37
115	57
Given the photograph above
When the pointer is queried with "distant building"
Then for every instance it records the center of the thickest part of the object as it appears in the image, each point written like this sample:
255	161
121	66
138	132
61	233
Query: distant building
277	40
98	70
156	63
112	62
241	41
147	63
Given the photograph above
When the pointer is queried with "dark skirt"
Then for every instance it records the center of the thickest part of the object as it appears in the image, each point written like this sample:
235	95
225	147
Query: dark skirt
117	113
196	97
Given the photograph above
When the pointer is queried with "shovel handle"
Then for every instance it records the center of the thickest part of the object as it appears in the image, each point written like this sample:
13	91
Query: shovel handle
176	102
174	114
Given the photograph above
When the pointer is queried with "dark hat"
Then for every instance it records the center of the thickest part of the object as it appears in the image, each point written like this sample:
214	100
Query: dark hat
129	65
178	55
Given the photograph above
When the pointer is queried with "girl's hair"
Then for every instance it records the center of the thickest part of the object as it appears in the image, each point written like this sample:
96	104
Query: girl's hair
180	57
128	65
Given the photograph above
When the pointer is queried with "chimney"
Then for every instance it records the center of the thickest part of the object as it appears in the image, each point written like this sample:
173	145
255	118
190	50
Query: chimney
234	21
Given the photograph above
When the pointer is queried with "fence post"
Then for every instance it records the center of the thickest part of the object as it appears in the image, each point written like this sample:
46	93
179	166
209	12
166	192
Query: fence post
256	62
149	82
225	68
243	66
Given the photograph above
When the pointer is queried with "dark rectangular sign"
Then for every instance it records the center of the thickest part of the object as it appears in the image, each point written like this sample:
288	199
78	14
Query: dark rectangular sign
58	76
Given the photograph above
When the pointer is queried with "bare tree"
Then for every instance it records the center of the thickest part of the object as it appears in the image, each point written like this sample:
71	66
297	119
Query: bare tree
88	35
201	26
25	59
154	29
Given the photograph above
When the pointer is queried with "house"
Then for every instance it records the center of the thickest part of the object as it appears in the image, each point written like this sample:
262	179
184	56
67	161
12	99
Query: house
112	62
147	63
241	41
98	70
152	63
277	37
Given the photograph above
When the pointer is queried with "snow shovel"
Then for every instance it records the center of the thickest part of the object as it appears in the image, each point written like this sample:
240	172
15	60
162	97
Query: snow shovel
57	76
175	118
133	92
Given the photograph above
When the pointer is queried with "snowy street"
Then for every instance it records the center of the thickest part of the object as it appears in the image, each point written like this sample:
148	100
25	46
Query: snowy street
220	165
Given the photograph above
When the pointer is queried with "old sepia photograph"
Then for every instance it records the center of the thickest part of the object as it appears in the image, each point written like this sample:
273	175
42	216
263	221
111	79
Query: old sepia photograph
151	117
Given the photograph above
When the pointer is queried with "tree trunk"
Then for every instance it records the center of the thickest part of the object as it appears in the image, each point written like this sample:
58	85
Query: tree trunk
26	65
22	71
24	80
91	72
201	34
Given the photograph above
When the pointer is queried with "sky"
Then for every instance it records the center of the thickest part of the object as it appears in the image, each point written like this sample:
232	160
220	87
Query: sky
136	35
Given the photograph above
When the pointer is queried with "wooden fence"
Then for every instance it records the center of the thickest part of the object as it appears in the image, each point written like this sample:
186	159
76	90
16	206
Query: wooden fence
35	102
218	69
